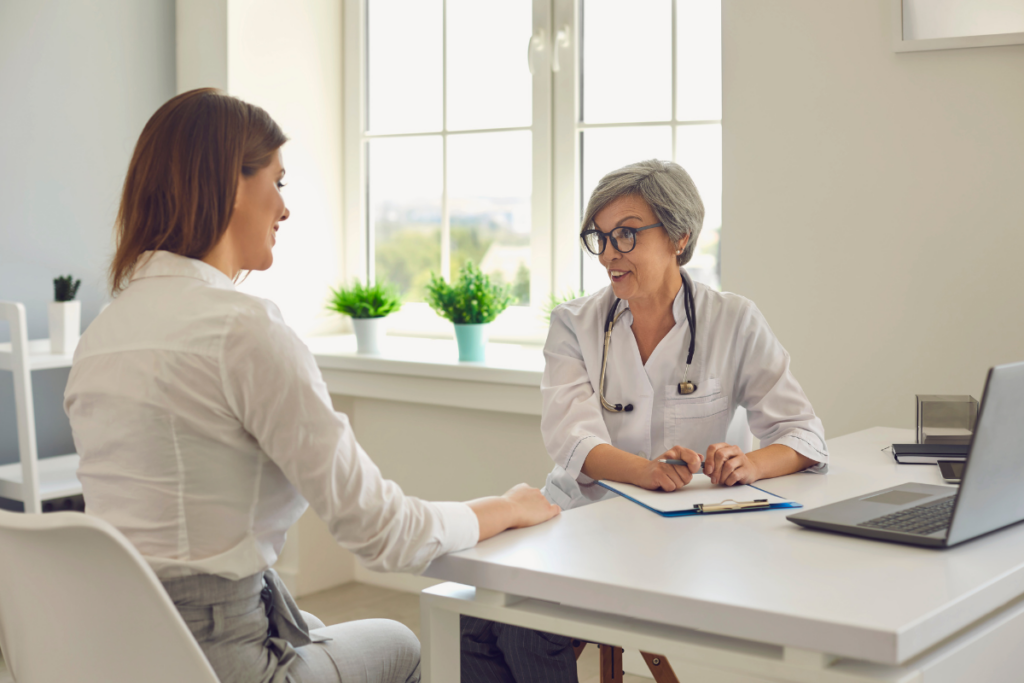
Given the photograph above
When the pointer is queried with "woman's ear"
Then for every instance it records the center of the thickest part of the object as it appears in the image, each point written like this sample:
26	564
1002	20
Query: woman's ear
681	246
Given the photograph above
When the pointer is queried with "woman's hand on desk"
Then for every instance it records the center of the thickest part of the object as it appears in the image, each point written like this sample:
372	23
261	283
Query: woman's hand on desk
608	462
654	474
520	506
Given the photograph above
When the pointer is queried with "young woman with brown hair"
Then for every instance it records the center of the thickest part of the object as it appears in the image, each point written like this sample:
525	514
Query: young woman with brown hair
205	428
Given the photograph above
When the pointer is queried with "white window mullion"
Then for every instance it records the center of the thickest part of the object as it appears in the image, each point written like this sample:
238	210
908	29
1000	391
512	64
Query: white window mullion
565	257
446	225
675	77
355	243
542	266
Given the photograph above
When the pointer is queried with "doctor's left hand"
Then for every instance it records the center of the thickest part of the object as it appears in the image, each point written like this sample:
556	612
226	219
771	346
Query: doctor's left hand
728	465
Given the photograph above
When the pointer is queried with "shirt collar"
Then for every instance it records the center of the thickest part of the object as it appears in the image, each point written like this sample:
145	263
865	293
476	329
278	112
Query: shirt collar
167	264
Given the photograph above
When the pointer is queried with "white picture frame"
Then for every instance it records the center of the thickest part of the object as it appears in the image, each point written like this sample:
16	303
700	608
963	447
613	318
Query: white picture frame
953	24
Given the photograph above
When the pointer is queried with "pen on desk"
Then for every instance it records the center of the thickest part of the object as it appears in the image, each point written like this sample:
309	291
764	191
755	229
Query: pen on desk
669	461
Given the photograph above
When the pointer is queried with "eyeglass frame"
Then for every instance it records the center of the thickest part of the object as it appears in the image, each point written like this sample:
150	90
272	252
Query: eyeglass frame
608	236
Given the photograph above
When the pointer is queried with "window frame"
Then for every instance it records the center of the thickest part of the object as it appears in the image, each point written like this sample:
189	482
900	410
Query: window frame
556	264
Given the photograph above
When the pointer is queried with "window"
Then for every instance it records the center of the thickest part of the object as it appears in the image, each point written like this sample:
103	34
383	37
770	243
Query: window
461	147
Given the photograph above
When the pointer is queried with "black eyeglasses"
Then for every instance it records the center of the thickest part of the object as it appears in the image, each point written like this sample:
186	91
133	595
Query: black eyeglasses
623	239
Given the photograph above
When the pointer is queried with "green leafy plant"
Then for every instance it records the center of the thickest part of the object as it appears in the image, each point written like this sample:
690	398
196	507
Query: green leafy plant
65	288
556	301
365	301
473	298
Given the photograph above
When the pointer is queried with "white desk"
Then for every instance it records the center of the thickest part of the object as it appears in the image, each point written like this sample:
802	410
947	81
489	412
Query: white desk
750	597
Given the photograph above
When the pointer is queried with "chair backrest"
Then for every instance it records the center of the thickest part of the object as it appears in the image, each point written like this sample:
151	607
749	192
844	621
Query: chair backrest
79	603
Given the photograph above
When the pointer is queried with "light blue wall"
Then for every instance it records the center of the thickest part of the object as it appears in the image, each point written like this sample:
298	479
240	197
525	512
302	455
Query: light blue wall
78	80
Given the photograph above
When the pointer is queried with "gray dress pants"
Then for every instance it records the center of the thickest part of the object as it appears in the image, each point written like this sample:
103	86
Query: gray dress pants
499	653
251	631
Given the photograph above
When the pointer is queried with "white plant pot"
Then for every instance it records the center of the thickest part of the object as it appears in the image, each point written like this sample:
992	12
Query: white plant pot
65	326
369	333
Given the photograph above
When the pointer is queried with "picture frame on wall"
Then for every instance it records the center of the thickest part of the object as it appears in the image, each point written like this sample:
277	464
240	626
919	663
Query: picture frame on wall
953	24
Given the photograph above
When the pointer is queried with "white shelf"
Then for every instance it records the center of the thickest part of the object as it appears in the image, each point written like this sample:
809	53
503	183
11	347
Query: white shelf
58	478
39	356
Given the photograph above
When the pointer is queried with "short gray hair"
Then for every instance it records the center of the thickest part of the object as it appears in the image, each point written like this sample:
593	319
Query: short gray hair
668	190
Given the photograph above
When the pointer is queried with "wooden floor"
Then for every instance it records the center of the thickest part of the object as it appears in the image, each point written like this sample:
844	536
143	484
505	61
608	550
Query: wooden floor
354	601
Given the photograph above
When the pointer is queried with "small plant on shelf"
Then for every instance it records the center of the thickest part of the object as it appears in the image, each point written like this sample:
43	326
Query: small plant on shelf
367	305
65	315
470	303
65	288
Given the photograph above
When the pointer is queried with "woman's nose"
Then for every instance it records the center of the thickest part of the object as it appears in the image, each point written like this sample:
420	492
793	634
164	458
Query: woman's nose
286	213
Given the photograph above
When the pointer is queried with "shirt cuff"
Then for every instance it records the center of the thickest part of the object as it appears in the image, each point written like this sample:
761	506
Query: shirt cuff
579	453
460	527
808	445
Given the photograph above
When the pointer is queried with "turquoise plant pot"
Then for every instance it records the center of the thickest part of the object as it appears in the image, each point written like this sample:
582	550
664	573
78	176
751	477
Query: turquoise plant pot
472	339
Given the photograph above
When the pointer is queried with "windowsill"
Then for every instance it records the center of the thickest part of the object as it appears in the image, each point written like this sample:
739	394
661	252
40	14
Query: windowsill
427	371
515	325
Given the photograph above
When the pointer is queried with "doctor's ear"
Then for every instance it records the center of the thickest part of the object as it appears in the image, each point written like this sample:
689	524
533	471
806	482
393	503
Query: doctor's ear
681	245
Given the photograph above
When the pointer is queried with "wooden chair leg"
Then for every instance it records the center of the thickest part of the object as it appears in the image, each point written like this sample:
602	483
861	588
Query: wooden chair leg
611	664
660	668
578	646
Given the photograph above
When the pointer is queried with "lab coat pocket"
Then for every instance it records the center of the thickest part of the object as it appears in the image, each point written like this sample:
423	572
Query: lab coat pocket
696	420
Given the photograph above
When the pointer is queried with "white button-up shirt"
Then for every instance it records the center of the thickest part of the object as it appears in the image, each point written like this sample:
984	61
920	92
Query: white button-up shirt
204	426
738	363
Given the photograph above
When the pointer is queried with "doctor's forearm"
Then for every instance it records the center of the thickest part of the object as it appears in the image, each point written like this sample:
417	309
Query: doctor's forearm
614	464
777	460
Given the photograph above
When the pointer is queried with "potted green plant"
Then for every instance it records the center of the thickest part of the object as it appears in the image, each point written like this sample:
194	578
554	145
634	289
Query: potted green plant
470	304
65	316
368	305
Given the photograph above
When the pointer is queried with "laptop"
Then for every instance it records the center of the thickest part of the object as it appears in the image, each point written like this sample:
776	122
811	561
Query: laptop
990	495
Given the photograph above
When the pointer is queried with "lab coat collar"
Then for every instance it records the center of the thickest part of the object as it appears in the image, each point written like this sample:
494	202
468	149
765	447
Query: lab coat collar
167	264
679	304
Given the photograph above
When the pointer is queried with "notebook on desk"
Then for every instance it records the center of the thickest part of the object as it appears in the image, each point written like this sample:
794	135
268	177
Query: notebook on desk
700	496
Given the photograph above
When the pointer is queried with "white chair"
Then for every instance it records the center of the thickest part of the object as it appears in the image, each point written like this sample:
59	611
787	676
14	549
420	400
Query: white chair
78	603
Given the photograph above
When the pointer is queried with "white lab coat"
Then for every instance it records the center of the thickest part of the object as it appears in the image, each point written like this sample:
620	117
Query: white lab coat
737	363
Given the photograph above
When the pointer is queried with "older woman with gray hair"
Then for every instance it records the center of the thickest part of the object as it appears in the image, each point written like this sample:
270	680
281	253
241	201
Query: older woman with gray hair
649	381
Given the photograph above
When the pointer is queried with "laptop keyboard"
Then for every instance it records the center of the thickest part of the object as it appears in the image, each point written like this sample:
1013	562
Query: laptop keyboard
920	519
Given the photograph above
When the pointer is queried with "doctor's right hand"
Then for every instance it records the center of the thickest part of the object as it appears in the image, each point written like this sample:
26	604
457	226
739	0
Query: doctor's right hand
652	474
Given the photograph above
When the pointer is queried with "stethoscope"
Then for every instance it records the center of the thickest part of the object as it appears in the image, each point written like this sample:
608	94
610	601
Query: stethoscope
685	387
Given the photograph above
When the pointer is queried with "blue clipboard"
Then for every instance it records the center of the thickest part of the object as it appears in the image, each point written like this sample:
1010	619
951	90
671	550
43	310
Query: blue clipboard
701	499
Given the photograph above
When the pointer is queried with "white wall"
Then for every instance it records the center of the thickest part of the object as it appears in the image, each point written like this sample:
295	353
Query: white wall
432	452
78	80
873	203
286	58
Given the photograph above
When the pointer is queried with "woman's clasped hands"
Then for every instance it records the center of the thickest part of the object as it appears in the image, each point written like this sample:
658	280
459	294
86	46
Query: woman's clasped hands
723	463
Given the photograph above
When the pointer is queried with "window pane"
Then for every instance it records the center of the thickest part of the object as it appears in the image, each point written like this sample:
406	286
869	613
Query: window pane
404	57
699	60
489	82
489	184
699	151
627	61
608	149
405	211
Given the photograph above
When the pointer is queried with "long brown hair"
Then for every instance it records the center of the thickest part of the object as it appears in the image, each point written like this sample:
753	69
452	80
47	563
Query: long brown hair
181	184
